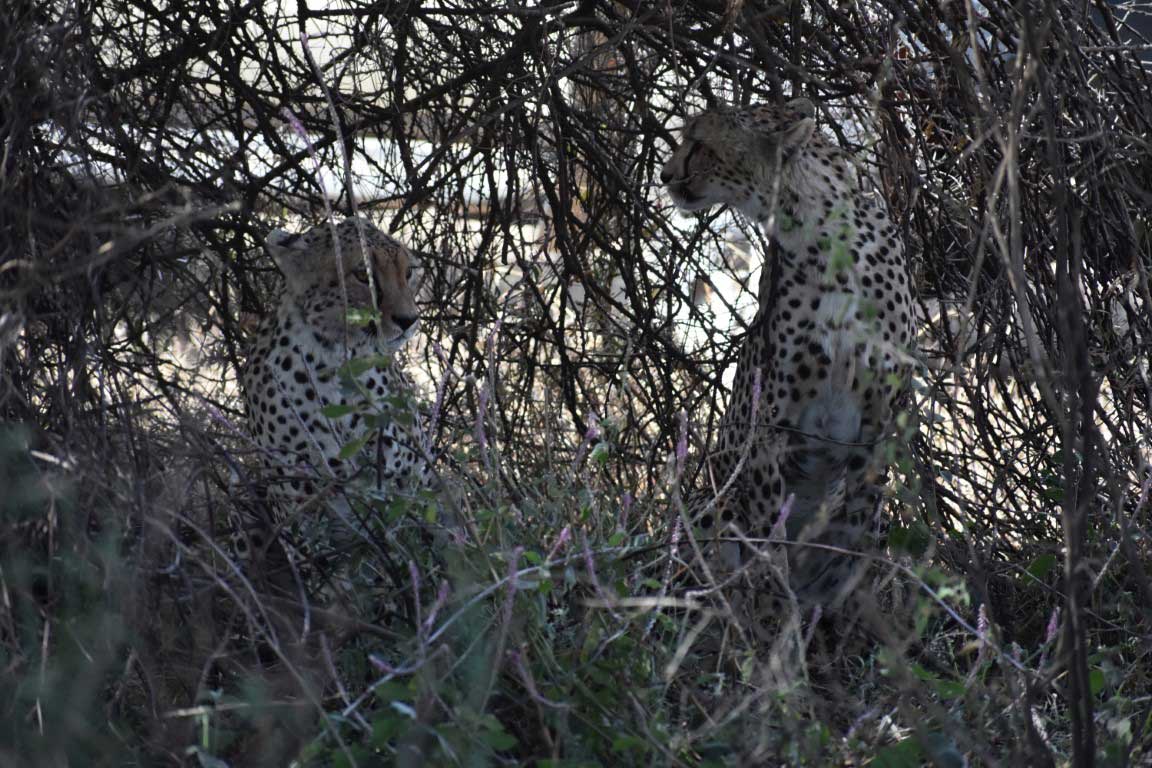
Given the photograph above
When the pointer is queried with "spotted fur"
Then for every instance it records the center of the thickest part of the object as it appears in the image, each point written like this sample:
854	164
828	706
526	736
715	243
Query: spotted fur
307	356
829	344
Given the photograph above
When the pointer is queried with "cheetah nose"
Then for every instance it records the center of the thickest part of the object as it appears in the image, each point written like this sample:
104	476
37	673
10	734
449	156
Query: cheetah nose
404	322
665	175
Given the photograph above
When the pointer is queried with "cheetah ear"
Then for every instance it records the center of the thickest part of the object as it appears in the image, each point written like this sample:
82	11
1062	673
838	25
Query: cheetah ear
289	251
796	136
280	240
804	106
789	140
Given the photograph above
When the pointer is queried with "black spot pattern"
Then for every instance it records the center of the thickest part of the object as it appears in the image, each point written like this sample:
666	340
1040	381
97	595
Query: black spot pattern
834	321
290	376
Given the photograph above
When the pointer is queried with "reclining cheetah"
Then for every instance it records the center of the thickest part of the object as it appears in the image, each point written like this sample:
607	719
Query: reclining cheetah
828	343
325	405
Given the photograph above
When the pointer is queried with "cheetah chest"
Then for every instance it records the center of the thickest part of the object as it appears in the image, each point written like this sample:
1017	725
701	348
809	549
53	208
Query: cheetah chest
835	335
317	418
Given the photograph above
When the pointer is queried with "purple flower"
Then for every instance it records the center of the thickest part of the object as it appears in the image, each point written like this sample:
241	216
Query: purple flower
625	507
561	540
1053	626
1050	635
590	564
381	665
529	682
677	529
779	529
481	407
817	612
414	574
682	443
298	127
441	597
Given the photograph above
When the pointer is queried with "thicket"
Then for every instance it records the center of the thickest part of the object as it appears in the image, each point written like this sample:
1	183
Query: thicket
576	331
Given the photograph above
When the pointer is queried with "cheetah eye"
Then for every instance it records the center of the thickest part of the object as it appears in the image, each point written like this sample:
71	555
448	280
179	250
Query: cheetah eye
408	273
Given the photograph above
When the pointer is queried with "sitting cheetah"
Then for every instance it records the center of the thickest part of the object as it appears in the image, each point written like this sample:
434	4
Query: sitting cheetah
325	405
827	346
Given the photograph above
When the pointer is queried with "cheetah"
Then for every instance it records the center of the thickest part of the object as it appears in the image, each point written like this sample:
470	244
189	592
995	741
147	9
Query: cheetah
327	405
825	360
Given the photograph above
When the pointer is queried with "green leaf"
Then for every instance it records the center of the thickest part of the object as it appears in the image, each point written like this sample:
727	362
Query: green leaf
358	756
495	735
336	410
359	365
396	509
840	259
922	673
949	689
1096	681
398	402
1042	565
913	539
818	735
391	691
1121	729
386	728
902	754
500	740
353	447
628	743
361	316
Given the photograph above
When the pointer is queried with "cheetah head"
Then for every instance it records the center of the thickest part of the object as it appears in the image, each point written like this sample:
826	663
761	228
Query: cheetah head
736	156
312	281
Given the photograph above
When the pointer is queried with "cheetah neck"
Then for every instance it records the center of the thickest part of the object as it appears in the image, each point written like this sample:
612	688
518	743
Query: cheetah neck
814	202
